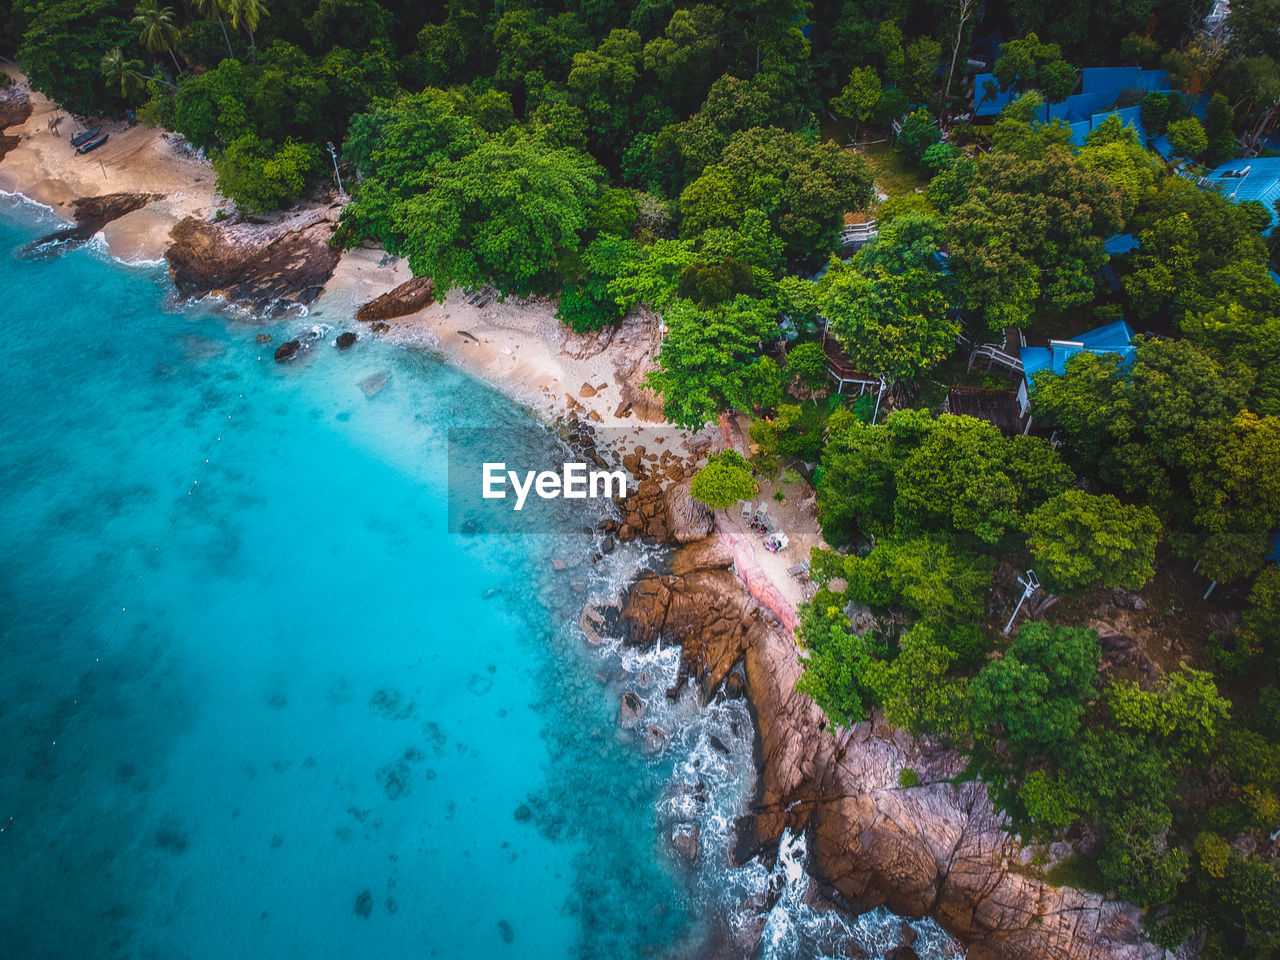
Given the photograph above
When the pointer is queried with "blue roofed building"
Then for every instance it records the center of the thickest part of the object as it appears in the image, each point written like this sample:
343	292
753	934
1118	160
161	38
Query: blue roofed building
1256	179
1113	338
1100	89
1121	243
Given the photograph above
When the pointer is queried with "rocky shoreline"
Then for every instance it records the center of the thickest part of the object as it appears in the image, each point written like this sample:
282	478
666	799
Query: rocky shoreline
937	849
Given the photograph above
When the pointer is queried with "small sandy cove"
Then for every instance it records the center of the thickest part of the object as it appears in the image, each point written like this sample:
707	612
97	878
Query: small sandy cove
138	159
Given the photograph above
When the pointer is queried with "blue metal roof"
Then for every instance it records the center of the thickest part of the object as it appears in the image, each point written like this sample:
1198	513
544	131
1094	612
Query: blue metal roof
1129	116
1110	80
1256	179
1121	243
1113	338
992	105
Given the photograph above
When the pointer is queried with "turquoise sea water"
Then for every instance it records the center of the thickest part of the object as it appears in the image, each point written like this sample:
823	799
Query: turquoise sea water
256	702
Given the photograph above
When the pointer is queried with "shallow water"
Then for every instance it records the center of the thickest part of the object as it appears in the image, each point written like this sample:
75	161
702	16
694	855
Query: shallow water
258	703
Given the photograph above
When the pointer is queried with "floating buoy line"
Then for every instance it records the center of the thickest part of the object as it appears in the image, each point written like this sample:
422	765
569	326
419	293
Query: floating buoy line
136	594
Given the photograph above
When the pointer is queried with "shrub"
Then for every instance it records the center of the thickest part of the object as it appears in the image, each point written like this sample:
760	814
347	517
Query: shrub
257	178
724	481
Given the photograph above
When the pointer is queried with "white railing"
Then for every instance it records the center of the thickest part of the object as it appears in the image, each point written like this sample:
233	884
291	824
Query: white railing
856	233
994	355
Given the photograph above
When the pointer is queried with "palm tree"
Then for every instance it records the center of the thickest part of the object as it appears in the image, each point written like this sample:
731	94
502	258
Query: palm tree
122	73
248	12
216	7
156	29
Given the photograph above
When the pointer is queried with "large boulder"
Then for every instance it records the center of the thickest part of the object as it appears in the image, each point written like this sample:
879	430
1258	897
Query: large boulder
272	265
688	519
410	297
644	510
15	108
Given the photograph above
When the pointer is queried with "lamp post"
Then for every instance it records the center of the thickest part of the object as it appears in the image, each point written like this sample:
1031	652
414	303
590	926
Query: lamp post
1029	586
333	154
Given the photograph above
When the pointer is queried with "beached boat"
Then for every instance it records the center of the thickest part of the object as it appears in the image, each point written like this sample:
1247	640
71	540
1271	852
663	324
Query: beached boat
92	144
85	136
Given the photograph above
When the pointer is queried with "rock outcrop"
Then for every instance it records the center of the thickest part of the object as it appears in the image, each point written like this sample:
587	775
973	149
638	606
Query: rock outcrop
91	214
689	520
410	297
259	266
935	849
15	108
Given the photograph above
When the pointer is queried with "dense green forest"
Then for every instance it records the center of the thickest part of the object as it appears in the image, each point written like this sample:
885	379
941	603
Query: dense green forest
694	159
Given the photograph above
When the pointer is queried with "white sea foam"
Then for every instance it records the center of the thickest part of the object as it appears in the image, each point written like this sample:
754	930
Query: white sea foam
768	912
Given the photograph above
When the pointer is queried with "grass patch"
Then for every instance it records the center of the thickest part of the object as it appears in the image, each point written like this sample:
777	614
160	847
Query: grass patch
1078	871
893	173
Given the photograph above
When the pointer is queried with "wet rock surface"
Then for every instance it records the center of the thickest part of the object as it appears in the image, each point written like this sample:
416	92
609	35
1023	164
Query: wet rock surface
15	108
90	215
410	297
631	711
259	266
937	849
346	340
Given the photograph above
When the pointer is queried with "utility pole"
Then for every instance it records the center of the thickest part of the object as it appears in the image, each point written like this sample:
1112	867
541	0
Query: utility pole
1029	586
883	386
333	154
965	9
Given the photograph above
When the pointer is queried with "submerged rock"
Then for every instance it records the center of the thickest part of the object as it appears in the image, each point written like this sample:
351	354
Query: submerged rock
288	350
373	384
410	297
684	841
263	338
504	929
655	741
364	903
631	711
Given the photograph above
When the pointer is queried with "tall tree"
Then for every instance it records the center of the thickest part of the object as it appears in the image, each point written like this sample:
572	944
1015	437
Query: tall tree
895	325
215	7
1030	234
250	14
1079	540
709	360
157	31
123	74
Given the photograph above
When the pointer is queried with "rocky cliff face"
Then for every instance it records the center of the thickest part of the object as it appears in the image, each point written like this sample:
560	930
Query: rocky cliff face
15	107
935	849
260	266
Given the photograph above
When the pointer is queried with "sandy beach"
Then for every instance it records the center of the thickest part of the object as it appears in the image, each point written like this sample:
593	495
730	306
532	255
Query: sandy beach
135	159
